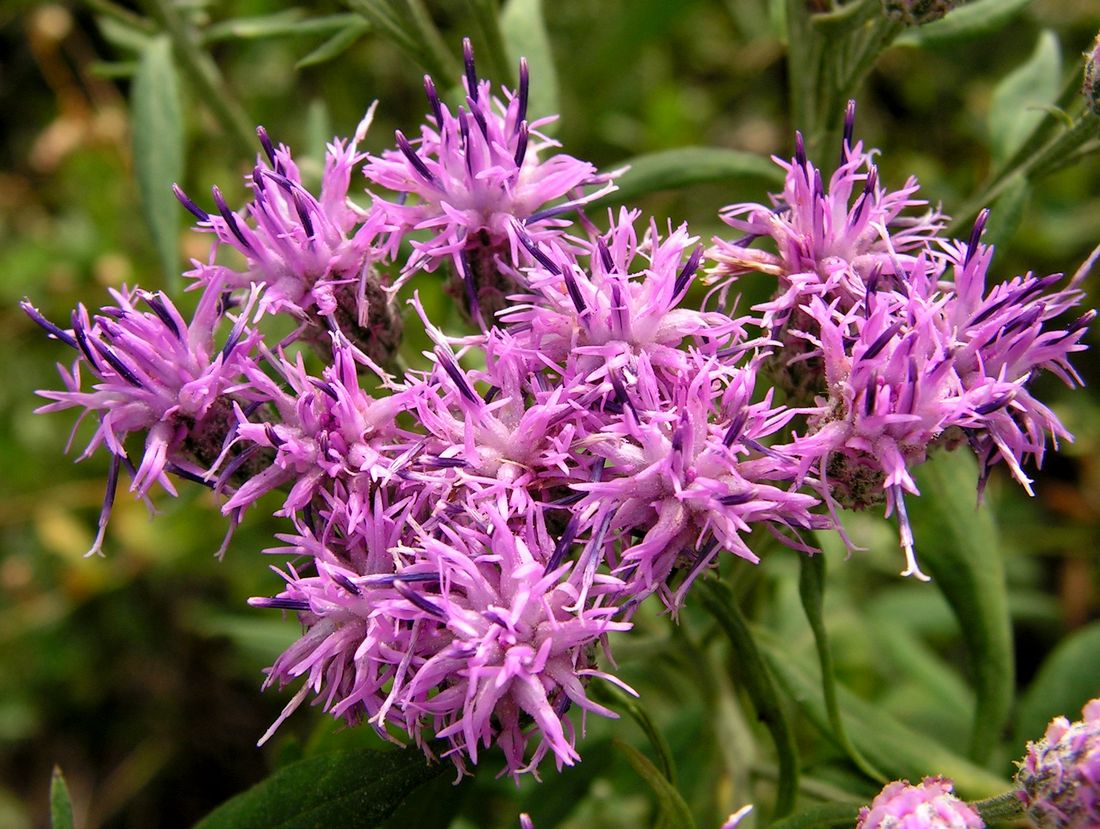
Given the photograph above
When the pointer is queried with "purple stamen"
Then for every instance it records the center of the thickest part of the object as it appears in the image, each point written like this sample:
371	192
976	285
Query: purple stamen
433	100
278	603
265	142
230	218
123	370
346	583
574	291
418	600
47	326
325	387
524	79
734	430
882	341
533	249
273	436
799	149
849	129
605	256
976	235
736	499
456	375
471	71
521	144
687	272
192	208
156	304
416	161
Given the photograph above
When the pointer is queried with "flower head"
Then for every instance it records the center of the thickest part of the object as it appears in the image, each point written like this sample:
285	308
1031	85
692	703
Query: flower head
1059	779
929	805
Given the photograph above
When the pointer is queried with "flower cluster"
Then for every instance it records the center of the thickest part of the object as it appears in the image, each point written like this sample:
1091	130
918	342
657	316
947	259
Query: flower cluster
463	537
1059	778
896	338
931	804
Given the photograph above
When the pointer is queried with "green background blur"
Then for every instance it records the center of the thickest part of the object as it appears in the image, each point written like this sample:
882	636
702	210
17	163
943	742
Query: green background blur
139	672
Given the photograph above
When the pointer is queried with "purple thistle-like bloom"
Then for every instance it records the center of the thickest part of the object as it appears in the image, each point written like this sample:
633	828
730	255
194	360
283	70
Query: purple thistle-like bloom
929	805
1059	779
156	375
313	255
473	173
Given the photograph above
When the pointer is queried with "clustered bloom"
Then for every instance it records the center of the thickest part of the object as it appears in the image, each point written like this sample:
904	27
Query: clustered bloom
462	538
895	338
931	804
1059	778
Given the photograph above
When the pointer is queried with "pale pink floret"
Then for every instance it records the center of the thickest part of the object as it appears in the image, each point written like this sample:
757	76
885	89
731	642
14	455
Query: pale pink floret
1059	778
931	804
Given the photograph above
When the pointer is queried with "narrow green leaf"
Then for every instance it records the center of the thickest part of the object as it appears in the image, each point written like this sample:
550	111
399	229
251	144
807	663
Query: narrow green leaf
524	29
612	695
1007	211
964	558
673	169
674	810
279	24
158	148
121	35
359	788
1020	100
811	589
487	15
757	680
1068	679
335	45
976	19
61	807
890	745
827	816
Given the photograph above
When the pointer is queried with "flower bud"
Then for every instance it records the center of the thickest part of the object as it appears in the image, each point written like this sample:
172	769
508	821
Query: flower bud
1059	779
917	12
930	805
1091	88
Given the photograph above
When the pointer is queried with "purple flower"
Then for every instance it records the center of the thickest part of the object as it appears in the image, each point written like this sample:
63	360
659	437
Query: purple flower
155	375
1059	779
929	805
313	255
472	174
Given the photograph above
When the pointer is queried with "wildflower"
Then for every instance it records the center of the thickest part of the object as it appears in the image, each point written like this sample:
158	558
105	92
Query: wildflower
1091	87
314	256
929	805
474	173
156	375
1059	778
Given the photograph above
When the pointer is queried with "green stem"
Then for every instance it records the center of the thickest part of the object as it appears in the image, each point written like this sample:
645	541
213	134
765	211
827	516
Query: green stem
204	74
811	588
122	15
761	687
442	61
1003	807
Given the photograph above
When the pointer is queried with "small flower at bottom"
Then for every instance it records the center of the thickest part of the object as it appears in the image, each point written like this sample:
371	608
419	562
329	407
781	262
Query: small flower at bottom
929	805
1059	779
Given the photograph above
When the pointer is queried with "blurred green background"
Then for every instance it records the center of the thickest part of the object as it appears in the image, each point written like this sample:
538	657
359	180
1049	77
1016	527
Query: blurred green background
139	673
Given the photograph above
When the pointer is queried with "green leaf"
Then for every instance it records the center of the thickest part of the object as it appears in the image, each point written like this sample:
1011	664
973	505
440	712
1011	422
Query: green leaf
158	148
61	808
964	558
1020	100
618	699
335	45
757	680
826	816
887	743
279	24
524	29
976	19
358	788
674	810
673	169
1068	679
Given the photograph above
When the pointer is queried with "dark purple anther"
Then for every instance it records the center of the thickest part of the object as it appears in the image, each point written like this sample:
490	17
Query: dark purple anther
471	71
869	397
433	100
108	504
265	142
273	436
976	235
436	462
605	256
279	603
123	370
82	339
47	326
524	79
230	218
418	600
736	499
303	214
156	304
482	124
865	197
346	583
568	536
799	150
574	291
456	375
620	392
849	130
416	161
994	405
187	475
687	272
236	463
533	249
734	430
235	335
882	341
521	144
470	285
192	208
